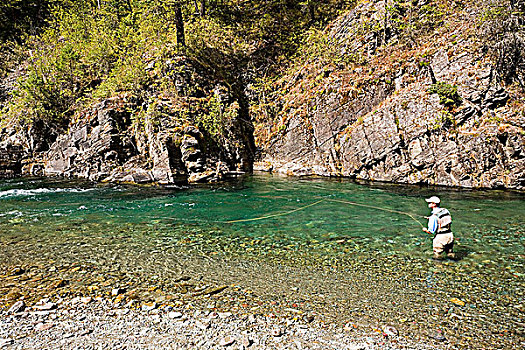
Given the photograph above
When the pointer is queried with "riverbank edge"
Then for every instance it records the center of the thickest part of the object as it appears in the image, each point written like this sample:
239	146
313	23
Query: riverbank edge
91	323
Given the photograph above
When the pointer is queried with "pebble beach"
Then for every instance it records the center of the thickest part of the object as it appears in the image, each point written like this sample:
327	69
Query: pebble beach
87	323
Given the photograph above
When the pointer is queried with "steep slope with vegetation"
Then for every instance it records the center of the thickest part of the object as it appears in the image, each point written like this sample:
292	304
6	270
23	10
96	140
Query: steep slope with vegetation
413	92
142	91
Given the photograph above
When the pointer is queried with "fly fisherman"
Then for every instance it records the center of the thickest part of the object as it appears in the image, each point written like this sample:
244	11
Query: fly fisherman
439	224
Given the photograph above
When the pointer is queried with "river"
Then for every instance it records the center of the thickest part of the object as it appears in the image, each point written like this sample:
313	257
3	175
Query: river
345	252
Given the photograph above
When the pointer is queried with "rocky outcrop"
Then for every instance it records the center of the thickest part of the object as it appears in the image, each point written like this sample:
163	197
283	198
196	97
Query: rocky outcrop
109	145
95	147
199	132
11	161
395	129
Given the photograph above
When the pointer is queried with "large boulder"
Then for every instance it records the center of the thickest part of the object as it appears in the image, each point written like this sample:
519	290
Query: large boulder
110	143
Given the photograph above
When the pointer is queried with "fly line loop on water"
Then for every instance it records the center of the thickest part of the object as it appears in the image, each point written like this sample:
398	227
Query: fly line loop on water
275	215
379	208
412	216
284	213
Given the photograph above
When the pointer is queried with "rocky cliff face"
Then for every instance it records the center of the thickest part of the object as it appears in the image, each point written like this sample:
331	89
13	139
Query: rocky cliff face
394	128
10	161
160	139
108	145
428	110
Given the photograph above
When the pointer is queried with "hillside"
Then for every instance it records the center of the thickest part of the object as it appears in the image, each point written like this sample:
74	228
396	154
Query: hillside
412	92
427	100
139	91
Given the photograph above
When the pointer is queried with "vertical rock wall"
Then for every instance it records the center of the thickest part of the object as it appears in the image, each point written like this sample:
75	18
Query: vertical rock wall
109	143
11	161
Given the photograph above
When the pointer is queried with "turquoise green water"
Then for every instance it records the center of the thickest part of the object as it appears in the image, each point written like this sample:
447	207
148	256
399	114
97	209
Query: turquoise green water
297	245
486	224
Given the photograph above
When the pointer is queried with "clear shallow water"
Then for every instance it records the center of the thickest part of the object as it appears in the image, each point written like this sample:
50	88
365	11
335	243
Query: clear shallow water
486	224
349	261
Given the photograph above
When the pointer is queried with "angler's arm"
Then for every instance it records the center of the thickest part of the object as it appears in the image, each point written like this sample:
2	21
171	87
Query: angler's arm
432	225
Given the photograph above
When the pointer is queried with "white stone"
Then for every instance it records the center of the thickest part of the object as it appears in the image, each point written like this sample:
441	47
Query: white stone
117	291
45	307
202	325
226	341
86	300
149	307
43	326
17	307
6	342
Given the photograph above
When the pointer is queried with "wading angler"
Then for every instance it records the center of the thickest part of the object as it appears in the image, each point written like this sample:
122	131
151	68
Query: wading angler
439	225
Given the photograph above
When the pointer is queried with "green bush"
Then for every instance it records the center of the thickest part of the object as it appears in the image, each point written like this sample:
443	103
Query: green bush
89	50
448	94
217	116
444	119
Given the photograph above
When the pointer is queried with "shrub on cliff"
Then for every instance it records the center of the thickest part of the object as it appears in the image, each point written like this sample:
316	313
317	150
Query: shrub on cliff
448	94
18	20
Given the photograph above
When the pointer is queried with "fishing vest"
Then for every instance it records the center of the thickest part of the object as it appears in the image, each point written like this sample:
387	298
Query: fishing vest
444	221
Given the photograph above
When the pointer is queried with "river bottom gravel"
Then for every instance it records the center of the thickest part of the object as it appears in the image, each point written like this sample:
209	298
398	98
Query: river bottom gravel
137	268
86	323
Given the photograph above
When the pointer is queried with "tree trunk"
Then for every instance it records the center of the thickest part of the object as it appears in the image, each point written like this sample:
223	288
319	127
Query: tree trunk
311	11
179	25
